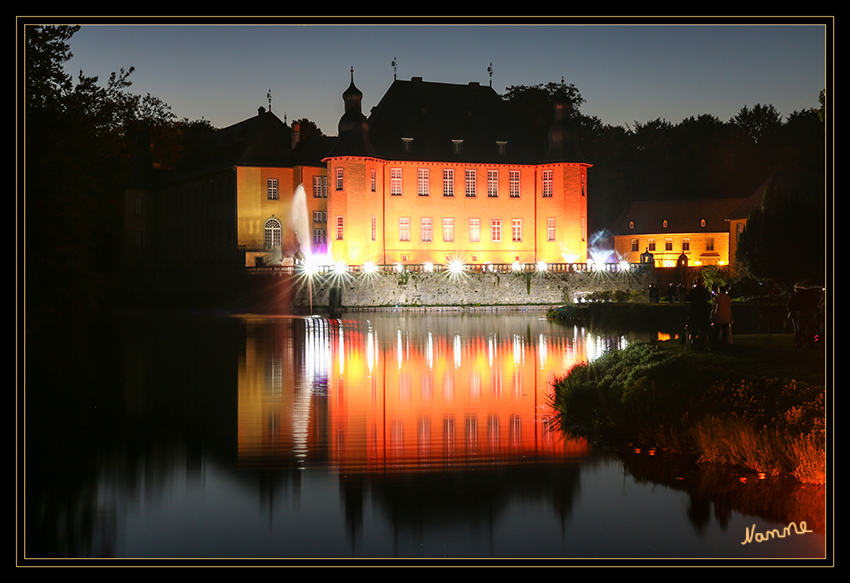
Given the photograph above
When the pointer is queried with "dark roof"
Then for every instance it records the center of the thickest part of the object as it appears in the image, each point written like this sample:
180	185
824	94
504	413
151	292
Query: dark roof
261	140
433	115
682	216
755	200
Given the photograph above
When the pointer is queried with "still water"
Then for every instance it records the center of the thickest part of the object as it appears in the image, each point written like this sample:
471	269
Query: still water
381	436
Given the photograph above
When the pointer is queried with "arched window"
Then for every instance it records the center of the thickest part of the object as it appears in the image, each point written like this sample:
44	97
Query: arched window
665	223
271	234
702	223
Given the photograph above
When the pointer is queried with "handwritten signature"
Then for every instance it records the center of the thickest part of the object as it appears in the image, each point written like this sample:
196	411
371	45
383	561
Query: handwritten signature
760	537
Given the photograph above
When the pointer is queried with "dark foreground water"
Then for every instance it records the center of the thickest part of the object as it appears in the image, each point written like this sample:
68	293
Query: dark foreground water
375	437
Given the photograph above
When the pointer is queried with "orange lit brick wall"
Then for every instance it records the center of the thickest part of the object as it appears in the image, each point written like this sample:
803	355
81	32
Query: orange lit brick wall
417	222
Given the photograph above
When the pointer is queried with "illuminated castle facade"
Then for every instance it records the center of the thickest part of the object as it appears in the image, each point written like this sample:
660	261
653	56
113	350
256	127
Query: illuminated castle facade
440	172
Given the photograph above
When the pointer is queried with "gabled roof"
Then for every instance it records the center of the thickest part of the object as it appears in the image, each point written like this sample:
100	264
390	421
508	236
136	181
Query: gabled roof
682	216
755	200
261	140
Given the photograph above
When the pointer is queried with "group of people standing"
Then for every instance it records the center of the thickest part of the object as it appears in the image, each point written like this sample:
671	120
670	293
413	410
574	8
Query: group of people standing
709	316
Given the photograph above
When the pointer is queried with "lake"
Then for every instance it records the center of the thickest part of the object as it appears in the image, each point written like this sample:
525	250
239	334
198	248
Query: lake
396	437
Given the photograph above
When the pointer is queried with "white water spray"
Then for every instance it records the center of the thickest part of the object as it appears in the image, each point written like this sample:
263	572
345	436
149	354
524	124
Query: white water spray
300	220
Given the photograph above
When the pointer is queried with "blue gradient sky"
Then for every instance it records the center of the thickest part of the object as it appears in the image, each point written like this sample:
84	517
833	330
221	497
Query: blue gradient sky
626	72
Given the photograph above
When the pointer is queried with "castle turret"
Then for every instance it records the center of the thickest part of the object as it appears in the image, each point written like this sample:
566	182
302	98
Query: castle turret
353	137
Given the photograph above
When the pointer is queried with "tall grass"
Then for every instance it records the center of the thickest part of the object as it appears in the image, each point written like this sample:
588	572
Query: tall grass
682	405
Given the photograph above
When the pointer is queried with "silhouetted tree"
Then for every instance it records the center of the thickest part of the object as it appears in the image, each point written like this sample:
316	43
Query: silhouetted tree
79	140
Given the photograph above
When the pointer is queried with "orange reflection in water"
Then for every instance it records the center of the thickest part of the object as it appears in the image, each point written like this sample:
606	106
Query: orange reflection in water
404	393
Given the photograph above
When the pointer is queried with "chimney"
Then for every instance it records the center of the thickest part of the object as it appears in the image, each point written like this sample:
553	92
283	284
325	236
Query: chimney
296	133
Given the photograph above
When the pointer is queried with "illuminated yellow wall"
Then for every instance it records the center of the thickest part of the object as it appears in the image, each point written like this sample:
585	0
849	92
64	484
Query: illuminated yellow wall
700	252
254	207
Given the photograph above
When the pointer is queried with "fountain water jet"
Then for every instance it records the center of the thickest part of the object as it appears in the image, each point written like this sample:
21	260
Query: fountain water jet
300	222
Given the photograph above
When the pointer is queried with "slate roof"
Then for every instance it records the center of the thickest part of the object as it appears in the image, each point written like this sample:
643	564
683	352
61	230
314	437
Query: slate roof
433	115
682	216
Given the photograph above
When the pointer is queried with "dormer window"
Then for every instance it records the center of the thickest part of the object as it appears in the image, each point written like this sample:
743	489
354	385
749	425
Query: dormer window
631	224
702	223
457	146
406	144
665	223
501	148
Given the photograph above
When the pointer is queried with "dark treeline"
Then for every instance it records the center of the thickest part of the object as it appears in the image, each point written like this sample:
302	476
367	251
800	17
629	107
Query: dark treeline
79	138
706	157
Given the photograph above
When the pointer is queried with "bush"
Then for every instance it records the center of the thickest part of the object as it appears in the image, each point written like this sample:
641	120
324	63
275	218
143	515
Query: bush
653	395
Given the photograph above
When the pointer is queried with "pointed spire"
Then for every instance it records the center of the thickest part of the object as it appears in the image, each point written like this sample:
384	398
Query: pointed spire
353	127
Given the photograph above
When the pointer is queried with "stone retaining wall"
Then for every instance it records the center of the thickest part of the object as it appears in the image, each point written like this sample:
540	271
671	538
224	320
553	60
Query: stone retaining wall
467	289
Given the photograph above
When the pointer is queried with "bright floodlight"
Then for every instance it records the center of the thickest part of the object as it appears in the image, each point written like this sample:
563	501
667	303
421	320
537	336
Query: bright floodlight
624	265
515	266
541	266
429	267
455	266
370	267
340	268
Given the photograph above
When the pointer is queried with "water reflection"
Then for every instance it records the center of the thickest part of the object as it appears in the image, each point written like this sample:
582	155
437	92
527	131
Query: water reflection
406	392
379	435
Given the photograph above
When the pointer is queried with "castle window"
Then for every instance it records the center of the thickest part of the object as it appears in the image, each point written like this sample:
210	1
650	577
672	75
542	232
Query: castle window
686	245
374	228
474	230
709	244
635	245
514	183
271	188
664	224
427	230
550	230
406	144
651	245
631	224
404	228
501	148
496	230
271	234
448	230
339	228
702	223
339	179
423	180
548	176
448	182
516	230
395	182
493	183
320	187
457	146
372	180
470	183
668	244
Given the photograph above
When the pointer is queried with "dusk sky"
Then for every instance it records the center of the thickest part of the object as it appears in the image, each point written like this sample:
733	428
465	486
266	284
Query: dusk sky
625	72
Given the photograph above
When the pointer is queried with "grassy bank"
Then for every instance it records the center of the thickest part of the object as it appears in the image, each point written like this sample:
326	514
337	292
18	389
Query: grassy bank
758	403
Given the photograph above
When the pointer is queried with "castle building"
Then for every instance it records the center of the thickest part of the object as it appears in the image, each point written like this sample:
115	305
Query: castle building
696	232
440	173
